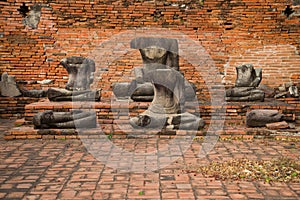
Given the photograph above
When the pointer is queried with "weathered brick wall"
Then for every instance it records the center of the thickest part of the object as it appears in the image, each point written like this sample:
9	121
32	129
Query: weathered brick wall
14	107
280	64
232	32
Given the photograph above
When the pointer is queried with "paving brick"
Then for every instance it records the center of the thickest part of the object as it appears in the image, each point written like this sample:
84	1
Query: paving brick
64	169
15	195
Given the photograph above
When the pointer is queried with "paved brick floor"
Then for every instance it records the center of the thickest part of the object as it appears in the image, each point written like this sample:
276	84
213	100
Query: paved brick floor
64	169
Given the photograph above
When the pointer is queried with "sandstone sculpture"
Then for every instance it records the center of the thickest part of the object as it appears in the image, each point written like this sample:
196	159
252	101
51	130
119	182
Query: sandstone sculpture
161	65
246	85
157	53
9	86
81	75
287	90
57	94
167	107
261	117
65	120
81	72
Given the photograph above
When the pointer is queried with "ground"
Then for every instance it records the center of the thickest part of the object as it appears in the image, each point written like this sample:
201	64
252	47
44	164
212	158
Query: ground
64	169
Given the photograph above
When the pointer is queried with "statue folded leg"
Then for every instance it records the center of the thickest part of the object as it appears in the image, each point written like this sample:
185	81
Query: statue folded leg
246	85
55	94
74	119
167	107
244	94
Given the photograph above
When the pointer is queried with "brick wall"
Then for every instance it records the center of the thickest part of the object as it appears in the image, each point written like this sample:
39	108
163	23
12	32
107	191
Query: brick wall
14	107
280	64
232	32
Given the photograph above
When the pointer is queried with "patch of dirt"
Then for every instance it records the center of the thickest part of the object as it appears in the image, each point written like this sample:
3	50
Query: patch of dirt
275	170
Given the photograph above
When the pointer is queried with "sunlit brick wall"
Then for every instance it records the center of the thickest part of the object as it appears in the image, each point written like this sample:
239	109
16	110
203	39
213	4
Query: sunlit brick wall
265	33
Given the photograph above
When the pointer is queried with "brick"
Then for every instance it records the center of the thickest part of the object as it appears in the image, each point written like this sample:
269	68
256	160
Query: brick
9	137
34	136
278	125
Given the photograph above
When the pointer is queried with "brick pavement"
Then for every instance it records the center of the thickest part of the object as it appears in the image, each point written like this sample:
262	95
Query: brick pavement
64	169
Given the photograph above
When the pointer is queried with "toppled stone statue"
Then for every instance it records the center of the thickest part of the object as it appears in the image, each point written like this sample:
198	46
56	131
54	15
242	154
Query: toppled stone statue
157	53
287	90
261	117
65	120
81	75
246	85
9	86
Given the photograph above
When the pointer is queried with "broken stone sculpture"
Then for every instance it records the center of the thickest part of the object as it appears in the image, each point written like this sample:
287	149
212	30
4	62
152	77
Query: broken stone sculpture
34	93
157	53
261	117
43	82
57	94
278	125
9	86
246	85
81	75
167	107
65	120
287	90
81	72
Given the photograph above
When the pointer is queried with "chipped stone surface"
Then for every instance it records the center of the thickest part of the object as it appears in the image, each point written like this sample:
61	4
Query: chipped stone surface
161	69
261	117
9	86
246	85
81	72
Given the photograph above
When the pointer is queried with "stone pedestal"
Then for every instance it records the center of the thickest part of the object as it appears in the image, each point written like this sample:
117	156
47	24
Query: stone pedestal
119	125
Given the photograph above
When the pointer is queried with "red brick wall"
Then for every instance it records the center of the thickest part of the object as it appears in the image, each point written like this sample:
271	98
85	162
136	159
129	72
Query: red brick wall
14	107
280	63
232	32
